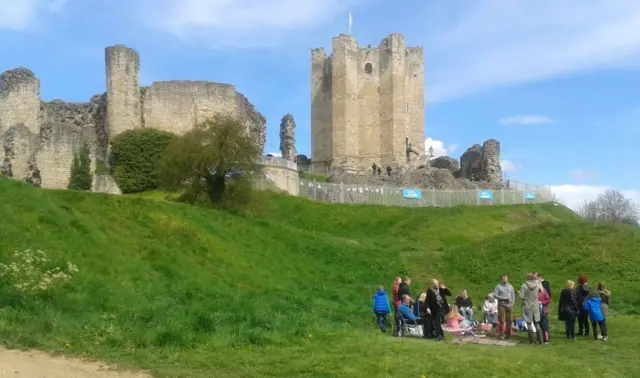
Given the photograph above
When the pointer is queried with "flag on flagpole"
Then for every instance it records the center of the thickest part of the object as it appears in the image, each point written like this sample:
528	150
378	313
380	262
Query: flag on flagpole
350	22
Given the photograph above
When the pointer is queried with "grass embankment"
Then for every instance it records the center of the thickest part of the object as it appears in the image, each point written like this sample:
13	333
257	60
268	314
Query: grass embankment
187	292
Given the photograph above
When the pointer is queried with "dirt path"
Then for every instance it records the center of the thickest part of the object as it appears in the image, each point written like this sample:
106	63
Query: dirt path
32	364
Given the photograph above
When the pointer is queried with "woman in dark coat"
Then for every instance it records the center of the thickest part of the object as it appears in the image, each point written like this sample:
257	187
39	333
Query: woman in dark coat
568	309
438	306
583	315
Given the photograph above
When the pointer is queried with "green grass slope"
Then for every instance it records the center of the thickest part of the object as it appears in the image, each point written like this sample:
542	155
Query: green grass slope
188	292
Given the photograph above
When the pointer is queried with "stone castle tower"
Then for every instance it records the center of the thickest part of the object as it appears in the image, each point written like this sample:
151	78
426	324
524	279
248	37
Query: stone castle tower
367	104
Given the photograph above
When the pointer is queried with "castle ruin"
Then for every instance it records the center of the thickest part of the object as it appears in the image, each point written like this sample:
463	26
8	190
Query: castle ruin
367	105
39	139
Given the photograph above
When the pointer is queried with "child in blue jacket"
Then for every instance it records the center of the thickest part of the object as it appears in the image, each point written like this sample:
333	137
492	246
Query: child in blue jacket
593	306
381	308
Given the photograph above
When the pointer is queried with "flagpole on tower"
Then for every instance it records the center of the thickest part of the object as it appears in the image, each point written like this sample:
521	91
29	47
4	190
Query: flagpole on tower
350	22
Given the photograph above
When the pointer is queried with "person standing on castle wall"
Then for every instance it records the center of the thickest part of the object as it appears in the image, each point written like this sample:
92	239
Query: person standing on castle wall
379	171
374	167
388	170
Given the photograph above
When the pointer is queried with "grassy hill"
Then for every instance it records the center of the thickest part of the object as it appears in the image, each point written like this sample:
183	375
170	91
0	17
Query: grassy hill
188	292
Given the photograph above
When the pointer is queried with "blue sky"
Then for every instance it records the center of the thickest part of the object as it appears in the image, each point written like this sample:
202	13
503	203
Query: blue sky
557	83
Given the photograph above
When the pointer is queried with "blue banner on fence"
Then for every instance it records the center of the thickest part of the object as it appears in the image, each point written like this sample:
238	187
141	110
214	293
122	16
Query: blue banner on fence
412	193
485	195
530	196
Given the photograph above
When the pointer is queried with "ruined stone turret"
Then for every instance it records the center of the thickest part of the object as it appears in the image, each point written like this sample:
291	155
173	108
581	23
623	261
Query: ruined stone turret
288	138
19	122
482	163
491	169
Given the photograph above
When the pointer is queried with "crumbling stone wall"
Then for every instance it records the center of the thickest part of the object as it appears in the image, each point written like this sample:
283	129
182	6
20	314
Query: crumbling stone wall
482	163
255	121
471	163
19	144
178	106
288	138
19	121
38	140
479	168
19	100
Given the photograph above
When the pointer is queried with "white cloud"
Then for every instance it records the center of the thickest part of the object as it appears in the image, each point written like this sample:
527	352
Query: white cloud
439	148
508	166
582	175
494	43
247	23
21	14
574	195
526	120
275	154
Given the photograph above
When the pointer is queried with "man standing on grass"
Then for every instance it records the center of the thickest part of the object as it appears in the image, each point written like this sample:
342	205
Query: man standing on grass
506	297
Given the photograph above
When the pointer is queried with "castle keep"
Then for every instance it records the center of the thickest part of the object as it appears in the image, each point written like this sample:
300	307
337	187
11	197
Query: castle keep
38	139
367	104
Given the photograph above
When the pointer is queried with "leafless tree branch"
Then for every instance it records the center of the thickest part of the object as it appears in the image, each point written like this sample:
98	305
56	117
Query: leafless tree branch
610	207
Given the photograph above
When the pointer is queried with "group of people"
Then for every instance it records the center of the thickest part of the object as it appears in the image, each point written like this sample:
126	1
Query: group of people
432	309
584	304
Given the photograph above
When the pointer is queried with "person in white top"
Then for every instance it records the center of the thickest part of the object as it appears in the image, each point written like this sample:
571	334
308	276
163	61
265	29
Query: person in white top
490	310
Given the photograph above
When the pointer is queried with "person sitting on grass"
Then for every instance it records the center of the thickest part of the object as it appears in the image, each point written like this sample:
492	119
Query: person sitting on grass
405	308
490	310
419	306
381	308
404	311
455	320
465	305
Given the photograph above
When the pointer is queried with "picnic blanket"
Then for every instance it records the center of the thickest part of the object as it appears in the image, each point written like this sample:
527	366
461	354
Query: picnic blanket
484	341
458	331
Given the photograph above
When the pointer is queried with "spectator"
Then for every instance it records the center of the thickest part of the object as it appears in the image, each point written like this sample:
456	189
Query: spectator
531	307
568	308
490	310
465	306
506	297
381	308
593	307
583	315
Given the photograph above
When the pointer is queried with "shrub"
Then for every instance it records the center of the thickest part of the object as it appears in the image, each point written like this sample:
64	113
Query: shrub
26	273
81	177
134	158
216	162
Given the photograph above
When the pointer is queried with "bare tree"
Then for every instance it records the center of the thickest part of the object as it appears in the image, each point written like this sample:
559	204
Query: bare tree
610	207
